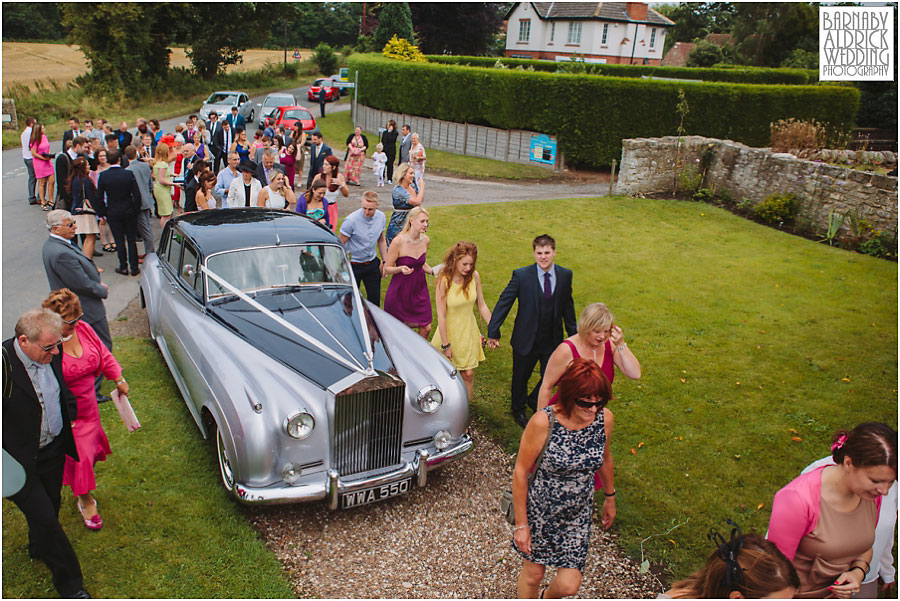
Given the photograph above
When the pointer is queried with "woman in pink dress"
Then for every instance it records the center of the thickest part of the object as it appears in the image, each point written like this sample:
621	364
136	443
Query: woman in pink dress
407	296
83	358
39	146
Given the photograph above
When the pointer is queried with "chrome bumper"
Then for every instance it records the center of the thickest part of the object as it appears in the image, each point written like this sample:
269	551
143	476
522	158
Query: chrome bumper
332	486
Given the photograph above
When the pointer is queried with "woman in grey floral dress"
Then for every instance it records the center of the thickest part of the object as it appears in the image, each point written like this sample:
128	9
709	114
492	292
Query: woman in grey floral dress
553	515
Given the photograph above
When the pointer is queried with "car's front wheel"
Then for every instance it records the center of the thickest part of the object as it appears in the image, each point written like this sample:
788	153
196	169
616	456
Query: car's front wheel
251	115
225	472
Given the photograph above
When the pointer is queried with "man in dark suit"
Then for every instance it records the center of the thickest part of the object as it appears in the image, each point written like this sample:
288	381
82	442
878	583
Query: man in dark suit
317	153
405	144
70	133
266	167
544	292
321	98
214	127
235	119
38	410
121	209
124	136
220	143
68	267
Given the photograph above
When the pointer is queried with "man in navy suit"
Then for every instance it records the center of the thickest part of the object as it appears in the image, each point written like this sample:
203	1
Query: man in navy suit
38	410
544	292
121	209
317	153
235	119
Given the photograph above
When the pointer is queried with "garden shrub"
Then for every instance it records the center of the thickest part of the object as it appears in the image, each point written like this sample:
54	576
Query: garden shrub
325	59
590	115
777	208
401	49
801	138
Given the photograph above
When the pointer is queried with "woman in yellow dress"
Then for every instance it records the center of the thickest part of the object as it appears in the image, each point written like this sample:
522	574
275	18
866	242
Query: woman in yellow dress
458	336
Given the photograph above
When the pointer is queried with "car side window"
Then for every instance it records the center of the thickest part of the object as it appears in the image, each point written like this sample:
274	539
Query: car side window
190	272
173	248
243	98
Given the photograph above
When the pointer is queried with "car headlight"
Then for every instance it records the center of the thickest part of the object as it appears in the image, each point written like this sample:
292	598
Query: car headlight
442	440
299	425
429	399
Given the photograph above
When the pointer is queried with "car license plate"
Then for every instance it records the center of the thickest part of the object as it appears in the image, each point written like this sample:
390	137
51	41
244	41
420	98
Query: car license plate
376	493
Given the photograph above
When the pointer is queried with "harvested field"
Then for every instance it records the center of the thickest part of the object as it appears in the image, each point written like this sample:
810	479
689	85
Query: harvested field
22	61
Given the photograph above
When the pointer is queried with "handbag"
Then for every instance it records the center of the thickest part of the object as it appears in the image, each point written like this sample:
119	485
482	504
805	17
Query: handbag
506	504
126	412
84	202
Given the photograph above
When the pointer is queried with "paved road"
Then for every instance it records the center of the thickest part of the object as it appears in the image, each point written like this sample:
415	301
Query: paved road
24	284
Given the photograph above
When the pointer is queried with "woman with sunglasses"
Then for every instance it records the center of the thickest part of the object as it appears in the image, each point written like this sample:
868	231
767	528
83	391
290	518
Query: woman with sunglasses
553	513
84	357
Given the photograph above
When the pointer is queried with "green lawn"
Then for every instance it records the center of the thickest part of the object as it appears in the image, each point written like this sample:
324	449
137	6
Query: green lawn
335	128
743	333
168	528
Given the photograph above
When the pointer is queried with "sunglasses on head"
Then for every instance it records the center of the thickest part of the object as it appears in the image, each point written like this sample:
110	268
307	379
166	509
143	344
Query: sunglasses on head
70	322
585	404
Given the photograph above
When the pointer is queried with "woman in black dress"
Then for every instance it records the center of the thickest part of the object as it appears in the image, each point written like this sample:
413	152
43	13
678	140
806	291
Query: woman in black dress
389	141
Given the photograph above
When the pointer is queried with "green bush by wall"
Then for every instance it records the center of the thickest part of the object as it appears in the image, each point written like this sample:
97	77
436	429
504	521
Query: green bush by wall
591	115
724	73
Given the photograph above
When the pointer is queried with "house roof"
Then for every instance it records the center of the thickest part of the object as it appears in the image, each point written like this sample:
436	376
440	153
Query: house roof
600	11
719	39
678	54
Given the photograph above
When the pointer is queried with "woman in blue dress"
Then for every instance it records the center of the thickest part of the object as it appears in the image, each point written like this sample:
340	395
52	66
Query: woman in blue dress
406	195
553	514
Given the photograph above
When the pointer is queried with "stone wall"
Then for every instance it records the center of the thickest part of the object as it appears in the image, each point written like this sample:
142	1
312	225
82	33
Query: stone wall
648	168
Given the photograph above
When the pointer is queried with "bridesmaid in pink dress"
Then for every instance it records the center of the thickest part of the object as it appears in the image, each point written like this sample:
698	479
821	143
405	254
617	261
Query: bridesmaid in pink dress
83	358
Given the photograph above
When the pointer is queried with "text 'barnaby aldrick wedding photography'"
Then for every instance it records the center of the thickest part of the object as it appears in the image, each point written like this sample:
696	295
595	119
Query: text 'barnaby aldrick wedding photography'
856	43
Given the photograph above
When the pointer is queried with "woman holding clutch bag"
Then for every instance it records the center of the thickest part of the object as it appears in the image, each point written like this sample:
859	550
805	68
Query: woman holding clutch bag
83	358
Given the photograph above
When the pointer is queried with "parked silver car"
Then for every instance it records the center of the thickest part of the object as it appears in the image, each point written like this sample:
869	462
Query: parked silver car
222	101
310	392
268	106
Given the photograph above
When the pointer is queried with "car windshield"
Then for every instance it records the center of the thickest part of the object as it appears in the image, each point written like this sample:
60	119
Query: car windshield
278	267
296	114
277	101
322	82
221	98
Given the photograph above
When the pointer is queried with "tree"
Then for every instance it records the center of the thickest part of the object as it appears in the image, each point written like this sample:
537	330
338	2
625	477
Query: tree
32	21
325	59
456	28
696	20
219	37
765	33
125	44
394	19
705	54
310	23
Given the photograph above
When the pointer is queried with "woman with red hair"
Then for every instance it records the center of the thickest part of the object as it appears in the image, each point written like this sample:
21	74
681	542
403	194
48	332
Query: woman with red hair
553	512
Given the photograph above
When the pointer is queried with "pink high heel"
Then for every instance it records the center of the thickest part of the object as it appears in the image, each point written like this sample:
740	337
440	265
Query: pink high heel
94	523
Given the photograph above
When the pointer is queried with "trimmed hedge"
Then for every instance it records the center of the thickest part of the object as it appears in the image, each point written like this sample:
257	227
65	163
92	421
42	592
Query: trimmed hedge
724	73
591	115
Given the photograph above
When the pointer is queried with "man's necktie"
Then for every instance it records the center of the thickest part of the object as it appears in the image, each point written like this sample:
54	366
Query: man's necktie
547	292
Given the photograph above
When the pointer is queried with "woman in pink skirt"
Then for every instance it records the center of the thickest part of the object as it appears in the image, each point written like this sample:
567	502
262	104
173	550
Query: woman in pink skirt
83	358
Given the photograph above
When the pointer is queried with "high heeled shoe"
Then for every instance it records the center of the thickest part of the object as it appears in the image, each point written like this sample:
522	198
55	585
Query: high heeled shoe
94	522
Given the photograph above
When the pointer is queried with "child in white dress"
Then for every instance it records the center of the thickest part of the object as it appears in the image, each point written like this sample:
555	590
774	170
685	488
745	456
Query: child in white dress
379	161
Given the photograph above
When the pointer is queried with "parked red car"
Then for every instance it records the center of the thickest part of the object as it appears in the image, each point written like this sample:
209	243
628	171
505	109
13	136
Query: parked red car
332	92
287	117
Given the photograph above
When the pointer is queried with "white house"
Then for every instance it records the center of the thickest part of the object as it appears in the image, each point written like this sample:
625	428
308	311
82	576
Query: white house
600	32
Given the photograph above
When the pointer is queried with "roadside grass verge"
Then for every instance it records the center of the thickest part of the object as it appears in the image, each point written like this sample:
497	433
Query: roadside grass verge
743	333
168	528
335	128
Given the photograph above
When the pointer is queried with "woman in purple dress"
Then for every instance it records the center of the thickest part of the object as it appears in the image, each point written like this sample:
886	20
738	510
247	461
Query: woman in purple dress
407	296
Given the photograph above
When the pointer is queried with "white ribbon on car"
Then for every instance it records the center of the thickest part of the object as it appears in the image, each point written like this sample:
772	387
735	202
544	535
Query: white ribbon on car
355	366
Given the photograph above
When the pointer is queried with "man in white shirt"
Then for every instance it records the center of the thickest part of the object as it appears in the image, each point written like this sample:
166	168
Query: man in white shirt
362	234
29	162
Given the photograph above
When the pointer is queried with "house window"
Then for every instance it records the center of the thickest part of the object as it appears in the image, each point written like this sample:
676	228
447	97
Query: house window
605	33
652	38
524	30
552	31
574	33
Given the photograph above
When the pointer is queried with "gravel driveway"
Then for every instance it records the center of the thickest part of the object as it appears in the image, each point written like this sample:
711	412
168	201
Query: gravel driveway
447	540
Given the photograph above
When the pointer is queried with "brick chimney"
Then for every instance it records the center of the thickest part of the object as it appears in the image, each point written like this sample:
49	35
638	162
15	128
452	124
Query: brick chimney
637	11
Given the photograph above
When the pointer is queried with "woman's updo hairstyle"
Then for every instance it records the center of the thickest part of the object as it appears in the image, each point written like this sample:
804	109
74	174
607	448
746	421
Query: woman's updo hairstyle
868	444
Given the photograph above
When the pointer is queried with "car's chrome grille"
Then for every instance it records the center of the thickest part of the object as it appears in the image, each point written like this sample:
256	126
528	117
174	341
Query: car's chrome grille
368	420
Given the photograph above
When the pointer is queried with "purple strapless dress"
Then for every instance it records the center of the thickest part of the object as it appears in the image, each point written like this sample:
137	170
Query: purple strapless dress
407	296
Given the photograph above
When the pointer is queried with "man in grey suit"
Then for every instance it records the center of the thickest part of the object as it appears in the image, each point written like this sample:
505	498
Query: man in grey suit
405	143
67	267
143	176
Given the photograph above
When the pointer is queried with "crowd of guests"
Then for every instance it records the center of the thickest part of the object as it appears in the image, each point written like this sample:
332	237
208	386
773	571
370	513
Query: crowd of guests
830	532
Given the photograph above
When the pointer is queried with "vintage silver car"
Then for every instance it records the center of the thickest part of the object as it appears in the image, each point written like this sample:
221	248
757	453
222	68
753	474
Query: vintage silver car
309	392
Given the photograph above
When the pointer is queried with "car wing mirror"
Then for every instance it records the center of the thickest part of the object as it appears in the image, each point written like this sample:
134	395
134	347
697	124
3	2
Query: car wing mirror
188	271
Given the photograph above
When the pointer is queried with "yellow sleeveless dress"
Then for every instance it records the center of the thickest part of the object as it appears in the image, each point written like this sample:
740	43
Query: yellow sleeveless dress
465	339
